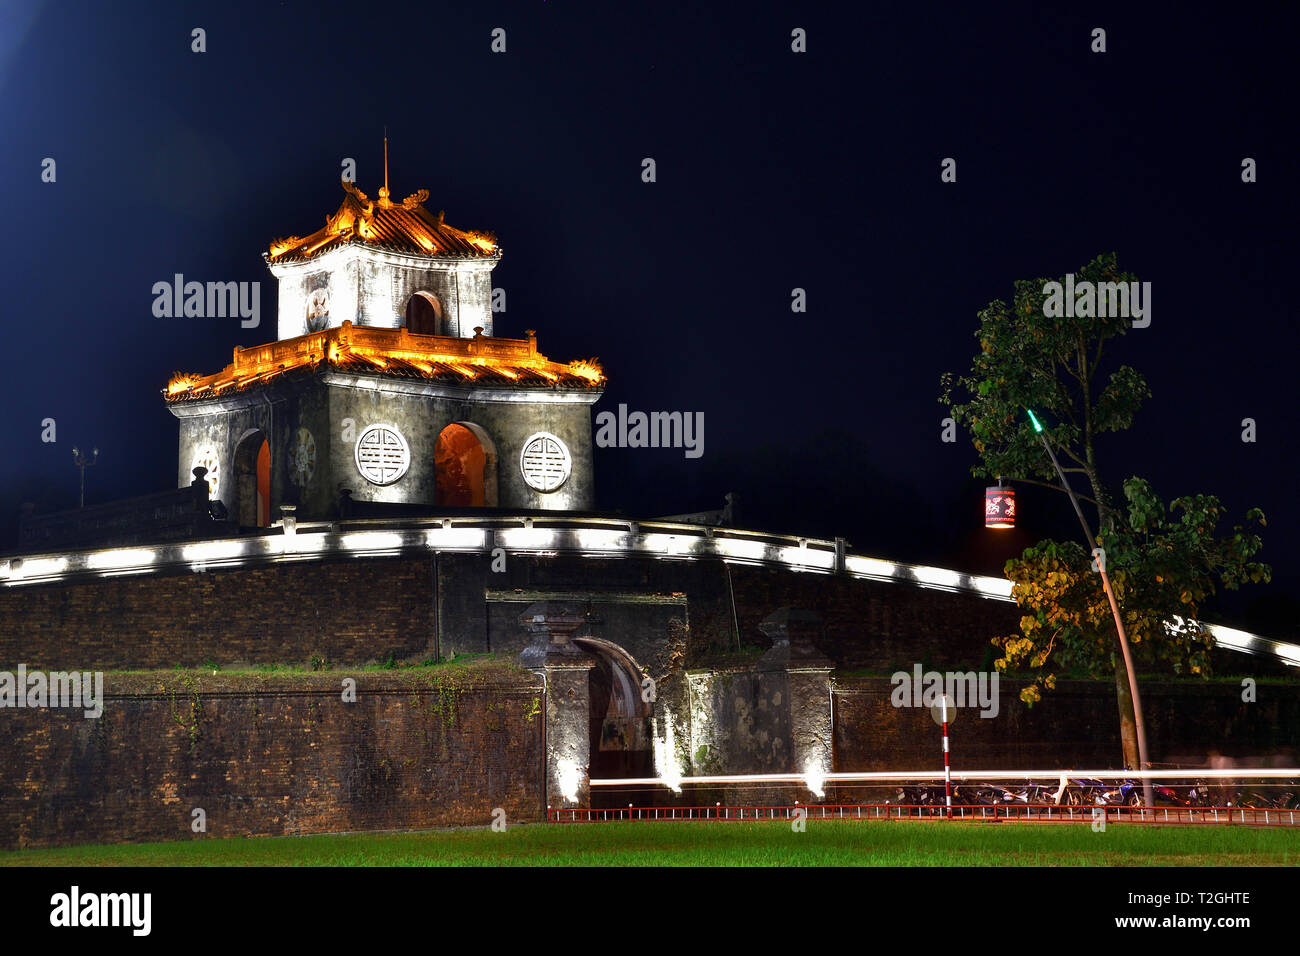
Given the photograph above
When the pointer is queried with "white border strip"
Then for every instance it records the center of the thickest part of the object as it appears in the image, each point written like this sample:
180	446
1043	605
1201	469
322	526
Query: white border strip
539	534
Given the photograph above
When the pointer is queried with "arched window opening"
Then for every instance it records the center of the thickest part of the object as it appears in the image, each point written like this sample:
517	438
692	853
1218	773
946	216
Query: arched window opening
424	314
252	490
464	461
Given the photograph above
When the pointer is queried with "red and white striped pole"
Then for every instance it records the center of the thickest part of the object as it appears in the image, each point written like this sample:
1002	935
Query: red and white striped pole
947	771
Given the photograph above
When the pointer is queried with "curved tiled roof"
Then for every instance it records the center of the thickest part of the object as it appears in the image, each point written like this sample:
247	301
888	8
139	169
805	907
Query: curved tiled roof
404	226
400	353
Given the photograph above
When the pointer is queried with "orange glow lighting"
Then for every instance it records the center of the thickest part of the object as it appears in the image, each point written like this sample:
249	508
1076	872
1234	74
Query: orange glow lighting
392	351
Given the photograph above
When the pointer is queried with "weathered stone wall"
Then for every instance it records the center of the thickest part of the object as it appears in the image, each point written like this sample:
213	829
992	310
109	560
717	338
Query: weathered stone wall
875	625
280	753
335	272
665	589
421	417
372	288
224	425
344	612
352	612
271	754
641	627
740	722
1077	725
337	410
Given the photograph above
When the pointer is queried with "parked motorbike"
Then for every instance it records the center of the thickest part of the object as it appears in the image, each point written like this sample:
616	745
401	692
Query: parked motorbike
1084	791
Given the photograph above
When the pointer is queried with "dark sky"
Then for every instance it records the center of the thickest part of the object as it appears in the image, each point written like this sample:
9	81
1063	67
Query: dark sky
775	170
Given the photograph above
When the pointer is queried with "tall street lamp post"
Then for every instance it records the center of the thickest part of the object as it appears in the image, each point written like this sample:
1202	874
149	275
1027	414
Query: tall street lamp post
83	463
1099	560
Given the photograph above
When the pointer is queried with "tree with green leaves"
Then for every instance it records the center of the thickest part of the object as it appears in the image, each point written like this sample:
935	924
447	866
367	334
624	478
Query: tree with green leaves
1164	561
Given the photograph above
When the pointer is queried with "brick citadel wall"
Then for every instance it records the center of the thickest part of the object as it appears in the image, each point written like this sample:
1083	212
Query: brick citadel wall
346	612
270	755
1075	725
278	751
356	612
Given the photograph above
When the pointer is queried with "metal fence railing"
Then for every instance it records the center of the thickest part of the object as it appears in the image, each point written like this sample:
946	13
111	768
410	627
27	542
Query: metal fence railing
976	813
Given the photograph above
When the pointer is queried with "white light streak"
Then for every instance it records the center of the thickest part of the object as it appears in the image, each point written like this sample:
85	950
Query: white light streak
1237	773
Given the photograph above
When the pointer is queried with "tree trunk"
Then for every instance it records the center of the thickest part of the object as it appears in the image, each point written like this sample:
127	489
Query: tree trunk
1123	693
1127	722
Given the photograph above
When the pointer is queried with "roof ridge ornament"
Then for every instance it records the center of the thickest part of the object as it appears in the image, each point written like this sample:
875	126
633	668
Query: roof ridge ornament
358	219
416	198
280	245
352	189
367	205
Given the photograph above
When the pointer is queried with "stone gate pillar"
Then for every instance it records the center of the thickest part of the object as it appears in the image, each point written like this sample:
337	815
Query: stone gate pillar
566	669
806	673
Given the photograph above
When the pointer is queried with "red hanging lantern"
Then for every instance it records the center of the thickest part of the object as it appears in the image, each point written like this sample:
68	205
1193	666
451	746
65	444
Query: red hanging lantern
999	507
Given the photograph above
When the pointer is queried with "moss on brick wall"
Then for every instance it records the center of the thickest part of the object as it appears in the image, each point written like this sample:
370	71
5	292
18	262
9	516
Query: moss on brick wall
271	754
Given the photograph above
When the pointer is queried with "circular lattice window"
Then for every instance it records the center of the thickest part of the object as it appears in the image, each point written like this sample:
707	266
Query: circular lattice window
206	457
545	462
302	458
382	455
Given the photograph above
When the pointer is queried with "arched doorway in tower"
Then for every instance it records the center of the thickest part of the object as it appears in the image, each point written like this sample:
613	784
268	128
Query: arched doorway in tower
252	504
465	467
424	314
621	735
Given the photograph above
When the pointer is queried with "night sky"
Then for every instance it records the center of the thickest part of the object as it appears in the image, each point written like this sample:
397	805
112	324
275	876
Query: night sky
775	170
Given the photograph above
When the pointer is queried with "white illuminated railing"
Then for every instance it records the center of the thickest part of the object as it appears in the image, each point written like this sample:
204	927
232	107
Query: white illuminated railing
539	534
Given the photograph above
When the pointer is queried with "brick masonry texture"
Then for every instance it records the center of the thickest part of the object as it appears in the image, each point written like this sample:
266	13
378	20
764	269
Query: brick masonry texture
349	612
360	611
280	753
270	755
1077	724
870	624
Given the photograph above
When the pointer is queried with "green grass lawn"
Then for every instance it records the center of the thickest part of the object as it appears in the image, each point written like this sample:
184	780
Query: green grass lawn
823	843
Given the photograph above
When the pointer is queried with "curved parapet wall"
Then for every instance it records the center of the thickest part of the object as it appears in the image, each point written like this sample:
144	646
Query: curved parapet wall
667	677
590	537
306	582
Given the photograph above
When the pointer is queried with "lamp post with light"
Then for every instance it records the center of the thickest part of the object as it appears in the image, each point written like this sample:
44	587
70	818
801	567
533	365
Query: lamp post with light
1099	562
83	463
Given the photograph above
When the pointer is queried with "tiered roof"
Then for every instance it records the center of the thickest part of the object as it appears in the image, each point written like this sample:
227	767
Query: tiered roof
399	353
405	227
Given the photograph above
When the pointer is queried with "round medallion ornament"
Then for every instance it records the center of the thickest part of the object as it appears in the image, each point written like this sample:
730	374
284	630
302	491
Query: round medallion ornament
545	462
205	456
382	455
302	458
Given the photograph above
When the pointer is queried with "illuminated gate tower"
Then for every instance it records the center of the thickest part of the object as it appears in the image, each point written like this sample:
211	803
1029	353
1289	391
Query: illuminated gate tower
385	380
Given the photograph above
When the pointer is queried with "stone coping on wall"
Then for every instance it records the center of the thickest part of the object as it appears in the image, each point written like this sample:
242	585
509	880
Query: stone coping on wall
485	676
558	535
585	536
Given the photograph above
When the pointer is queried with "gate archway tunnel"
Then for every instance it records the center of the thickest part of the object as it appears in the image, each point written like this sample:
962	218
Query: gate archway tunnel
620	728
